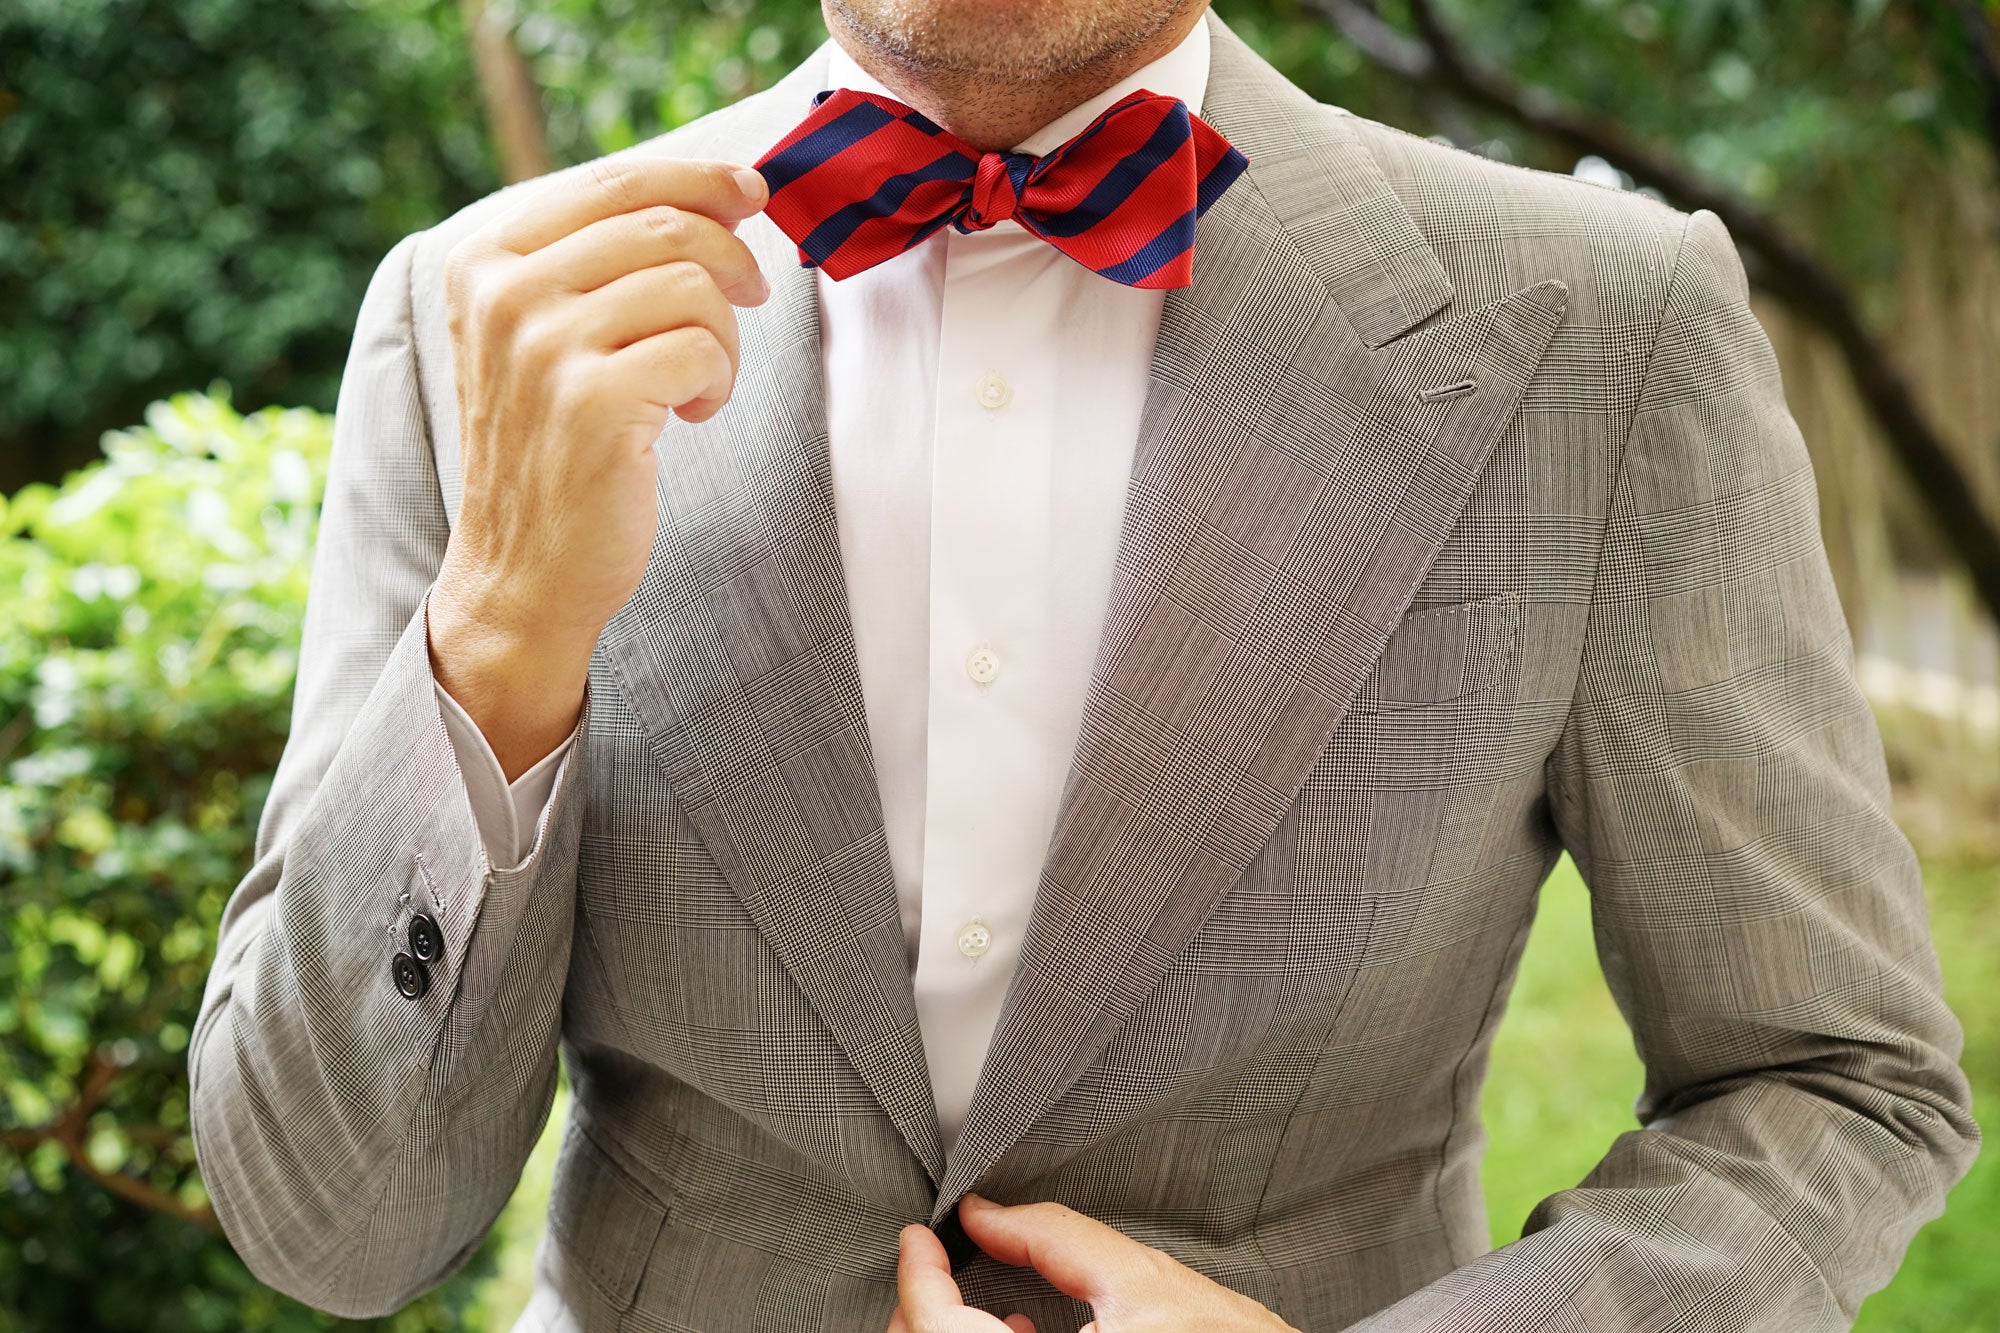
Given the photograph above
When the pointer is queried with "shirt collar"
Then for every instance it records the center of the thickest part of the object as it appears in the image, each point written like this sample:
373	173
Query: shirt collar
1181	72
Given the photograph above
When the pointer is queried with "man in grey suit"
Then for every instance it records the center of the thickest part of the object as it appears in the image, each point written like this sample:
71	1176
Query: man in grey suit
1455	519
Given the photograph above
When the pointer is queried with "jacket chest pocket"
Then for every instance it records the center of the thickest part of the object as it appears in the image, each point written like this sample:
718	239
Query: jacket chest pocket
1438	654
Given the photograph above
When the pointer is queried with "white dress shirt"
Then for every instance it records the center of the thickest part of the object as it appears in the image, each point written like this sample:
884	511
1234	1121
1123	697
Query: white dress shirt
983	398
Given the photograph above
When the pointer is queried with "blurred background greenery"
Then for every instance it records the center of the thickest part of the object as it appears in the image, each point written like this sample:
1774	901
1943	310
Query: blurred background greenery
194	192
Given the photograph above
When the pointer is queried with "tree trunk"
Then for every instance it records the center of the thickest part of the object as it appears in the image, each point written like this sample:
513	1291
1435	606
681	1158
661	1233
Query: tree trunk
513	102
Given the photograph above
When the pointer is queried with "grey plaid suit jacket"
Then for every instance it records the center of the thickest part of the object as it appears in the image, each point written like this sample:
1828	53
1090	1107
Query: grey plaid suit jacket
1468	524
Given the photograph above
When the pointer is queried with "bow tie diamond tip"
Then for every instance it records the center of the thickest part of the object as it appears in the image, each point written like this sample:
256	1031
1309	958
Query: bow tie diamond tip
864	178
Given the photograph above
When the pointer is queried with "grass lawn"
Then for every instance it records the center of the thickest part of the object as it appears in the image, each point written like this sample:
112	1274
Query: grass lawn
1561	1088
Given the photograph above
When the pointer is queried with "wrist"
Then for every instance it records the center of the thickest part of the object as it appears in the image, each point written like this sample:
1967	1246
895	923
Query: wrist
523	690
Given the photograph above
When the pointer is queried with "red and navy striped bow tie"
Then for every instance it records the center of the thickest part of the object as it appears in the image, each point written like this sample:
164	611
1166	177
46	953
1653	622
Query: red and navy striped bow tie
864	178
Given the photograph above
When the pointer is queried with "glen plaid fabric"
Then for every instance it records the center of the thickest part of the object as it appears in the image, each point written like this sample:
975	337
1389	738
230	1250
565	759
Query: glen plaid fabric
863	178
1467	524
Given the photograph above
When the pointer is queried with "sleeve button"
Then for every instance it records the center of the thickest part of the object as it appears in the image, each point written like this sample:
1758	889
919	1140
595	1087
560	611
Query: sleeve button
426	940
412	977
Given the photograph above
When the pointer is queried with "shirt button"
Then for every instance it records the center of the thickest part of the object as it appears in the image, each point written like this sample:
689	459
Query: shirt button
992	392
974	939
983	665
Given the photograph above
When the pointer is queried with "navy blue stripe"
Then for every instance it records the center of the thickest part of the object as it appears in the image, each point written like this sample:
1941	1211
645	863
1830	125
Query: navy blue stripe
1019	165
1219	178
832	233
1089	132
1175	240
925	232
838	135
1121	180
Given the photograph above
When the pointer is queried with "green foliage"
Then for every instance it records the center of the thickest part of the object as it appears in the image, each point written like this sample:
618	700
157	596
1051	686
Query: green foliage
1844	119
201	188
150	610
617	72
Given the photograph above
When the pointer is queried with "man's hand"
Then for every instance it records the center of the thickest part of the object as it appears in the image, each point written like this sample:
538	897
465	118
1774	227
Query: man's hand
579	320
1130	1288
929	1301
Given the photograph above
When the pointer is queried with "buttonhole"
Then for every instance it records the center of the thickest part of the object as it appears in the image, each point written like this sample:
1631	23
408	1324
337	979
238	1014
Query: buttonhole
1444	391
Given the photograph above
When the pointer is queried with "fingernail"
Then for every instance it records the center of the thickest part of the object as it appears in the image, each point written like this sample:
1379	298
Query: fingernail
751	182
980	1201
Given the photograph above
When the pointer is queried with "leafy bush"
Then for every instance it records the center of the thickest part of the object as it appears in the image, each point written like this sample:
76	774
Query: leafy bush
616	72
201	188
150	610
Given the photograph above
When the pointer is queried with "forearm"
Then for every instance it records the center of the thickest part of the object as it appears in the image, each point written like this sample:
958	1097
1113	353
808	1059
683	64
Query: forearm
1773	1205
358	1141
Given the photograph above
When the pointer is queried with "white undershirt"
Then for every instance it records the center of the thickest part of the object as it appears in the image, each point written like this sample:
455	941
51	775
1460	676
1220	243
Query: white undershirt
983	400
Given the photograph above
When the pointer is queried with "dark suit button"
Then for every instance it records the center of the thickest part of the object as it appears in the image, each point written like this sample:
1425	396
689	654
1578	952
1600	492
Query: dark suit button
412	977
958	1247
426	940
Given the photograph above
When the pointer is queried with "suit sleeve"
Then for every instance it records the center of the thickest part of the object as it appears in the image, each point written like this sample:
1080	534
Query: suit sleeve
1720	784
358	1142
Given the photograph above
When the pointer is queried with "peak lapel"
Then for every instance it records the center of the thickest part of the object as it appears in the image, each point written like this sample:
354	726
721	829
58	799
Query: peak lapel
1292	485
736	655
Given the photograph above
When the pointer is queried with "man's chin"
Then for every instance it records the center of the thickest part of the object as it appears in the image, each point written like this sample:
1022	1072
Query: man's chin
1008	39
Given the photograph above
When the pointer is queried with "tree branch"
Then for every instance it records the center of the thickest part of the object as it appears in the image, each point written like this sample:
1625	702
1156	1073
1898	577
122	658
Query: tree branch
1784	268
513	101
99	1071
1382	44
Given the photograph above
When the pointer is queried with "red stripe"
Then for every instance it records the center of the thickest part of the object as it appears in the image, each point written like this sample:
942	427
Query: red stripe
825	194
1160	197
883	238
855	174
1070	181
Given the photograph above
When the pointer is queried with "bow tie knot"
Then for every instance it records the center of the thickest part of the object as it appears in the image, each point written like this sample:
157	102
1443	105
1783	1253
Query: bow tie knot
864	178
996	190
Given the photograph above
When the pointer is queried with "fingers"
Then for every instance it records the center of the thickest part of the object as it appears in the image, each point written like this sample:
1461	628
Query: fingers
603	189
641	304
1079	1255
924	1286
1020	1323
614	247
685	369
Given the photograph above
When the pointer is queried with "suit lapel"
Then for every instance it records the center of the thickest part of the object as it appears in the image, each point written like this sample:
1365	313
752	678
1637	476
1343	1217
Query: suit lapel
736	655
1292	484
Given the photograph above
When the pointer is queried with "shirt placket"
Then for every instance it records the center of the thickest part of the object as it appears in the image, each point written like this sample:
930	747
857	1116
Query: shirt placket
989	553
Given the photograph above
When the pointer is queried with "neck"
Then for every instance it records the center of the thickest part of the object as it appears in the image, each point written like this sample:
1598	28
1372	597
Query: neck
993	112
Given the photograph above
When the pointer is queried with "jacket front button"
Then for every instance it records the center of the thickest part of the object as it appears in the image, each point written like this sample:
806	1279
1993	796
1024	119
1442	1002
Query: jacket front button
412	977
426	940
